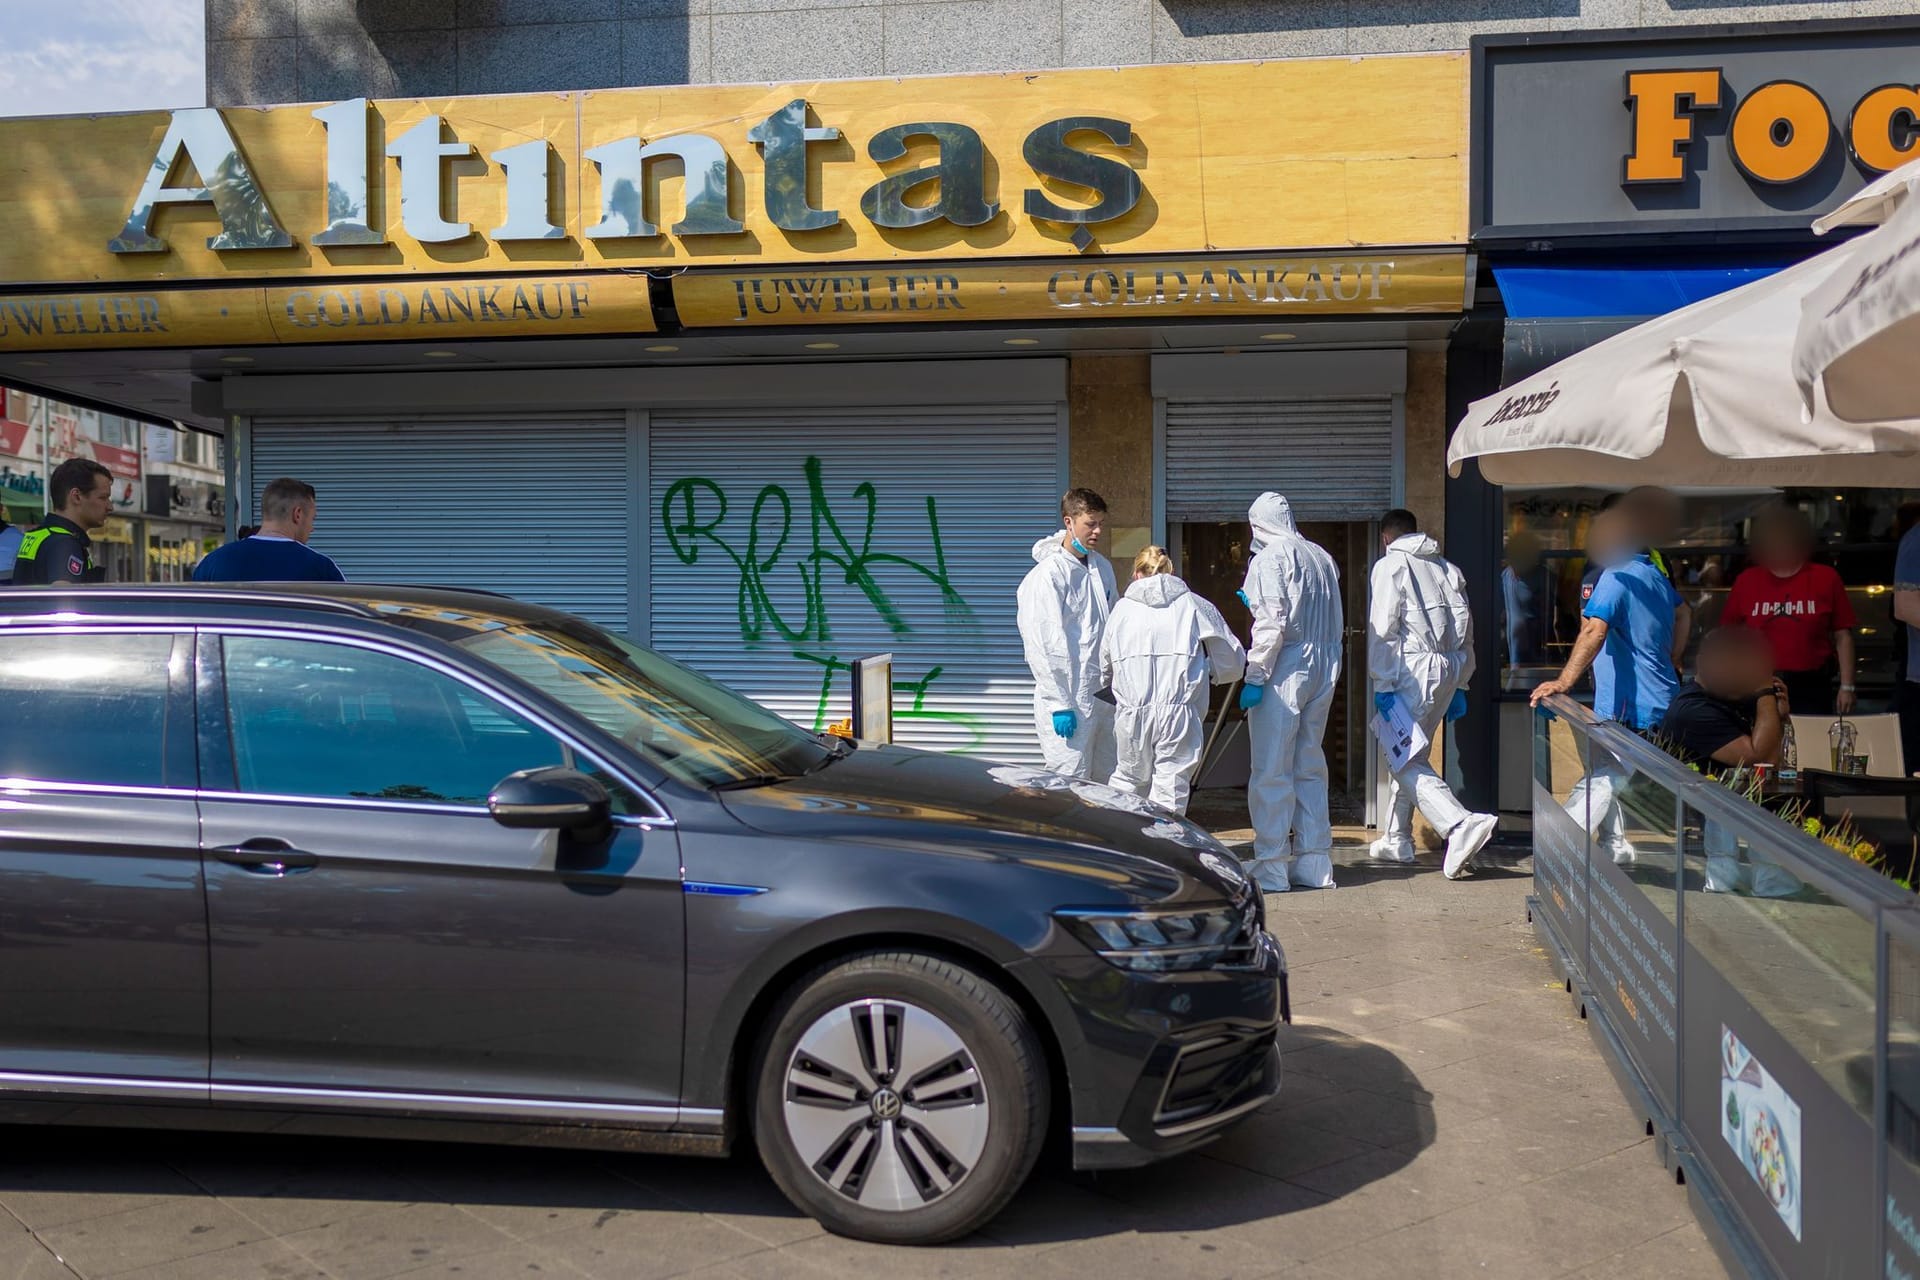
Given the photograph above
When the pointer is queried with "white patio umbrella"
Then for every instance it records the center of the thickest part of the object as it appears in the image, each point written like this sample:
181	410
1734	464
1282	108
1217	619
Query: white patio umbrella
1872	204
1859	333
1704	395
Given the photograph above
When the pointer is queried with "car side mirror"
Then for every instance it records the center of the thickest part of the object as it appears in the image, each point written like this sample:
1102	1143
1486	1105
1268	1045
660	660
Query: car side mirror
551	799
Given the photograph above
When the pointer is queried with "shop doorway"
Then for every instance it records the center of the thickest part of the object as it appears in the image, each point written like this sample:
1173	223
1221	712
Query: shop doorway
1213	560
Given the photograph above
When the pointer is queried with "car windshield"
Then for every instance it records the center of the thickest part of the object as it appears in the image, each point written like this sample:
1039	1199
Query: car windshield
696	730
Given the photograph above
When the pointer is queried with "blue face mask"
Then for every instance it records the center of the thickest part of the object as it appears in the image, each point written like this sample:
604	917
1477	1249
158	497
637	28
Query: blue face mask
1078	549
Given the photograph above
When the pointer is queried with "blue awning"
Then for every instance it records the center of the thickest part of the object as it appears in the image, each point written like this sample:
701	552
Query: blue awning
1617	288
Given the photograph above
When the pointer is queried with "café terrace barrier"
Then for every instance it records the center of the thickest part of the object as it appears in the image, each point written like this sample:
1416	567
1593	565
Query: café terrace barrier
1756	993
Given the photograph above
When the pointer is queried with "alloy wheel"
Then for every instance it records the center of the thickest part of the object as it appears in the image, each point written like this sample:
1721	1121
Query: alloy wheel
885	1104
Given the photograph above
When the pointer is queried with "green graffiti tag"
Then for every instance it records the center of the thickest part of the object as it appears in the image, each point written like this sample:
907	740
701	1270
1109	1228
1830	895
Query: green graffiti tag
831	547
695	508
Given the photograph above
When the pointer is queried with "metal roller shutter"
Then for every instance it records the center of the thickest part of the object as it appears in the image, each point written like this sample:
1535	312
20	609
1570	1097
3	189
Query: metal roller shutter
532	507
1332	458
787	543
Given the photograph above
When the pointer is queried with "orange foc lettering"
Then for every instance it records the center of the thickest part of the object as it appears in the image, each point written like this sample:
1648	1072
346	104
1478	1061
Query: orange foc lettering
1871	131
1663	103
1781	132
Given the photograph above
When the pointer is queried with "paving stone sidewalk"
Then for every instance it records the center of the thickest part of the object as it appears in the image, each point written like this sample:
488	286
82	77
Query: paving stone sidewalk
1444	1115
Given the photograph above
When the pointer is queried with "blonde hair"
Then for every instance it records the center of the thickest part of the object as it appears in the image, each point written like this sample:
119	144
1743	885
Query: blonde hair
1151	561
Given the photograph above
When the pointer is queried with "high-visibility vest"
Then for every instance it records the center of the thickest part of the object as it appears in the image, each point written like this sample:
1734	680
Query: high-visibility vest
30	545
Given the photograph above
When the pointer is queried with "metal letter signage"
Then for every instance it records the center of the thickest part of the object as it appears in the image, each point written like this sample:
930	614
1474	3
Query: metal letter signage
1117	185
420	152
961	174
623	187
348	218
199	134
529	212
783	138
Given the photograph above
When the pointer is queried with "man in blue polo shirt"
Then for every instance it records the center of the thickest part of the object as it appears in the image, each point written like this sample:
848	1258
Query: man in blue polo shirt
1633	630
278	551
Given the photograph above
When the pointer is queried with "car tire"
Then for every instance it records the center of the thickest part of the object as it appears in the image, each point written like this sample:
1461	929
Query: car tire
899	1098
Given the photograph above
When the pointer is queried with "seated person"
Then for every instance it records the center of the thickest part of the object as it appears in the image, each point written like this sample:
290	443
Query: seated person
1732	714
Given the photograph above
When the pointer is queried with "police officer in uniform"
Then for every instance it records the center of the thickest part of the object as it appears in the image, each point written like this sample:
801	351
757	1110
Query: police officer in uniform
60	551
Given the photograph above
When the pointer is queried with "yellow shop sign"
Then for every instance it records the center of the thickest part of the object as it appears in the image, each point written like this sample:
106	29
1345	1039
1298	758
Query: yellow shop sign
1226	288
1247	158
329	311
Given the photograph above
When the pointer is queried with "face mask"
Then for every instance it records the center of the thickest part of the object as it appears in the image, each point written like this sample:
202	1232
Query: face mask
1078	549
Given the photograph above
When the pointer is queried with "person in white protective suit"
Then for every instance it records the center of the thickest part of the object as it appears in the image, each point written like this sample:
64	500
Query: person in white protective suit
1164	647
1420	654
1064	601
1293	592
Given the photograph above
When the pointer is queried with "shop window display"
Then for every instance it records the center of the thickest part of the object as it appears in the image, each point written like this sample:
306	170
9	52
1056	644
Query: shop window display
1545	565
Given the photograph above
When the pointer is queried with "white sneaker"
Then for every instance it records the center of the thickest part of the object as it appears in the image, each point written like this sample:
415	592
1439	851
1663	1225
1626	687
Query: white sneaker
1385	850
1624	854
1467	839
1270	874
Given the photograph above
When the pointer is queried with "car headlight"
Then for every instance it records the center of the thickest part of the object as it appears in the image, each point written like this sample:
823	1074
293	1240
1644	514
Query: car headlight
1158	941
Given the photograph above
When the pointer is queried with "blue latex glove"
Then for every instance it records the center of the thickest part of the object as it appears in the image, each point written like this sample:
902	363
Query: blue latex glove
1250	695
1383	703
1064	723
1458	707
1243	599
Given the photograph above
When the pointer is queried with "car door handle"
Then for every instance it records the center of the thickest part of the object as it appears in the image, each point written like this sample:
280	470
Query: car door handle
267	856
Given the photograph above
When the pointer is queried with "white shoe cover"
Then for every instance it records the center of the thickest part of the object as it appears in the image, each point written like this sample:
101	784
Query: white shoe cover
1385	850
1726	874
1467	839
1312	871
1770	881
1269	873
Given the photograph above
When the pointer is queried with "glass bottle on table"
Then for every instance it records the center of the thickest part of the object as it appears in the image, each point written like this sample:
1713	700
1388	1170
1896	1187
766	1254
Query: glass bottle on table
1841	739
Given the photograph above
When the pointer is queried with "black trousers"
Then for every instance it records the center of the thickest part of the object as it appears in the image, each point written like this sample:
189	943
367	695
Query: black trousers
1909	708
1811	692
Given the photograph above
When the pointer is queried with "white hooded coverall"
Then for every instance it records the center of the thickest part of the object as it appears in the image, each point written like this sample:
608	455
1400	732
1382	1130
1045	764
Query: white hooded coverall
1420	649
1164	646
1064	602
1293	590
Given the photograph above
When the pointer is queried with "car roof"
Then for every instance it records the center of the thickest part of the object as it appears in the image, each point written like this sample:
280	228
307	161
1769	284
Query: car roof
191	603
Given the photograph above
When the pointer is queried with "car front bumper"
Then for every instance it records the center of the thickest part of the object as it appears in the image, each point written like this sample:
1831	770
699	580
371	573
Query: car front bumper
1204	1056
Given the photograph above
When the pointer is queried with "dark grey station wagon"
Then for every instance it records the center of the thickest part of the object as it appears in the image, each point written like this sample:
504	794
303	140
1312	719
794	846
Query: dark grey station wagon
404	862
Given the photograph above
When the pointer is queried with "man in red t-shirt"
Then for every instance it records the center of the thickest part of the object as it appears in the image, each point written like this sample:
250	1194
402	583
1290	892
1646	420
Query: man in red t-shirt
1803	609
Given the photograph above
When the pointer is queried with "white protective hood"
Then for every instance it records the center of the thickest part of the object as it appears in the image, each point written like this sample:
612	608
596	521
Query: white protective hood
1293	591
1158	591
1272	519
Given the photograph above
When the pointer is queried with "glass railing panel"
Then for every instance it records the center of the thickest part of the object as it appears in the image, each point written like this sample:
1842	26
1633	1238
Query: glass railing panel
1800	957
1560	832
1633	948
1901	1138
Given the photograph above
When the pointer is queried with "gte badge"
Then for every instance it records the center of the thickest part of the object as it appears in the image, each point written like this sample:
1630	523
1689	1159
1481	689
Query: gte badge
951	185
1777	133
